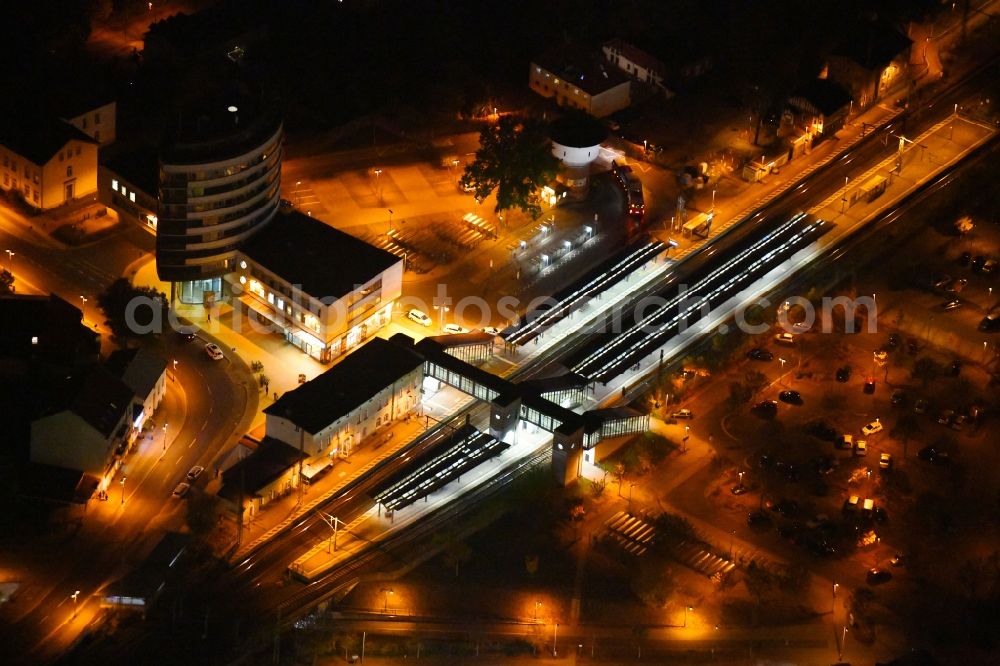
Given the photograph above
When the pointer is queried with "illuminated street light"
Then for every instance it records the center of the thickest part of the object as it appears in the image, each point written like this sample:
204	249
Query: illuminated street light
537	604
83	308
10	259
123	491
386	591
74	596
441	310
687	609
164	436
843	205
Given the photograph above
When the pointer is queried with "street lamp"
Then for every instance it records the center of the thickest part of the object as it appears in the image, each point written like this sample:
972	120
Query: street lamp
83	308
441	310
843	205
10	259
74	596
555	632
390	220
686	610
165	435
713	201
123	491
781	380
386	591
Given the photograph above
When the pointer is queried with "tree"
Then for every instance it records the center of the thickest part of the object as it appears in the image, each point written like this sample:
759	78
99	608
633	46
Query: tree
132	311
905	428
515	160
6	282
202	514
926	370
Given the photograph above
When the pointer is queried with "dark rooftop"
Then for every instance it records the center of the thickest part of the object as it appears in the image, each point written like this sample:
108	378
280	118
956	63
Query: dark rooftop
578	130
873	44
38	138
61	337
101	401
827	96
138	368
140	167
56	484
271	459
586	69
323	261
363	373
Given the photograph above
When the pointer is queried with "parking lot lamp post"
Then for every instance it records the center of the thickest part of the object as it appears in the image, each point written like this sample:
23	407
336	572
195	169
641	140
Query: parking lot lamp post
686	610
781	380
83	307
555	634
165	437
10	260
75	595
386	591
123	490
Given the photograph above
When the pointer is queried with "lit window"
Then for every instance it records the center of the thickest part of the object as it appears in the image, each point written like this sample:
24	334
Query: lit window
34	339
270	298
114	184
243	279
131	197
124	190
243	265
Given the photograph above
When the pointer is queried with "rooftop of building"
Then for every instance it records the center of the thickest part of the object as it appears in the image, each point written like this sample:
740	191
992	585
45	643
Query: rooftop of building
231	119
269	461
873	44
56	484
347	385
323	261
825	95
139	167
38	138
44	327
138	368
585	69
101	400
636	55
578	130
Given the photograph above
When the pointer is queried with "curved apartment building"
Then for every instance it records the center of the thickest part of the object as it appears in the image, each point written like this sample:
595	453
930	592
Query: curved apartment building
219	183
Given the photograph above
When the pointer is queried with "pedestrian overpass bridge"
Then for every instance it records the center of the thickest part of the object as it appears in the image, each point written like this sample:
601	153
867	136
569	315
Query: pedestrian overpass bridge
544	403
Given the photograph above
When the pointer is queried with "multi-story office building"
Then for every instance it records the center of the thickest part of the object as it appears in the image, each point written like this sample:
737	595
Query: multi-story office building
324	290
219	183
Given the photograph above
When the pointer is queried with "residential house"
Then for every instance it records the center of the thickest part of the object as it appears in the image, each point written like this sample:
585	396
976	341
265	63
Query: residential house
636	63
819	108
92	431
43	330
580	79
127	183
47	161
268	473
873	58
145	373
96	119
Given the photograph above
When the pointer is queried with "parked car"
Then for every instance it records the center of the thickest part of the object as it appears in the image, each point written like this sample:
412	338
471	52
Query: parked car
738	489
869	387
844	374
872	428
766	408
861	448
946	416
195	472
214	352
822	430
452	329
784	339
920	406
419	316
885	461
878	576
759	354
683	414
185	334
990	322
898	560
933	454
846	442
954	304
958	423
898	397
491	330
989	266
181	489
791	397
